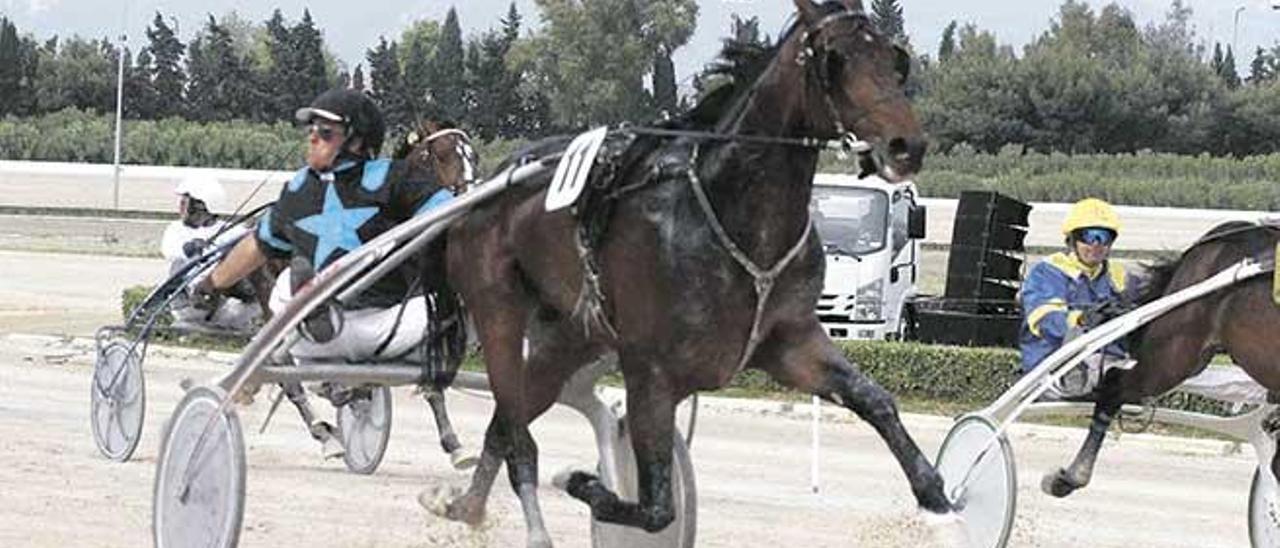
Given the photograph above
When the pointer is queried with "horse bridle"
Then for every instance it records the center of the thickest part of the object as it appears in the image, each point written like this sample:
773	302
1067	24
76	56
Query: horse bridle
846	140
810	50
463	148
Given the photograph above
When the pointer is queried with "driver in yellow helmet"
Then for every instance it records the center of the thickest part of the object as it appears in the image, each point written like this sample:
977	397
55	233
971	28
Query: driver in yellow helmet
1070	291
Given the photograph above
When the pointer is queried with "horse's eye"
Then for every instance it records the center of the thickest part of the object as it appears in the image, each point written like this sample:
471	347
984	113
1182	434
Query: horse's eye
902	63
834	66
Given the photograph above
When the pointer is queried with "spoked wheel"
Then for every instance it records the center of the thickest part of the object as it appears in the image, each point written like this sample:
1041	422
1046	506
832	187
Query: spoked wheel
682	532
977	469
365	426
1264	514
198	498
117	400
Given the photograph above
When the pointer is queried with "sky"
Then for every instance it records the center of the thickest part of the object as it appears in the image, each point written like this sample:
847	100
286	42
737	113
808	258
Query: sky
350	27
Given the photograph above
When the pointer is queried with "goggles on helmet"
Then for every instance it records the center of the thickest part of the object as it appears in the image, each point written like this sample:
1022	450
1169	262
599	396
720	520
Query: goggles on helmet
1095	236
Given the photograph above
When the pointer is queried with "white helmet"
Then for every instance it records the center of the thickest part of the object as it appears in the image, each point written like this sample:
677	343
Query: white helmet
204	188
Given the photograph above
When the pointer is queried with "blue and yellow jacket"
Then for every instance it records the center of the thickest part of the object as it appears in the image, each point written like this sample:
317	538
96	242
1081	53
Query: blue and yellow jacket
1054	295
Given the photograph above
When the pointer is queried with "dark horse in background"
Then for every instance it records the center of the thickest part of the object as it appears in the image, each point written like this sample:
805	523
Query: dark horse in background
1240	320
679	302
435	151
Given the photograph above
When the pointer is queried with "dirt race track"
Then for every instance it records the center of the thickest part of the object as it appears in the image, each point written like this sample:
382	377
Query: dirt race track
751	458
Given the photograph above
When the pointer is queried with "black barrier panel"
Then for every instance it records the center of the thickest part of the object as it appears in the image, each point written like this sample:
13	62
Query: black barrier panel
968	260
984	232
997	207
967	329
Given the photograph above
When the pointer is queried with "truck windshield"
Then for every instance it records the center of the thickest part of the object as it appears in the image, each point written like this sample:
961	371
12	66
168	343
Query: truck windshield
851	220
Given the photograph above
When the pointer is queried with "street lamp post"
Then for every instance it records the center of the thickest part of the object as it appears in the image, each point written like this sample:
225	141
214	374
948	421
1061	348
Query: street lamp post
115	190
1235	30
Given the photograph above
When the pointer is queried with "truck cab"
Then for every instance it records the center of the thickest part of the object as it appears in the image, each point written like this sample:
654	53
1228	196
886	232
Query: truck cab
871	231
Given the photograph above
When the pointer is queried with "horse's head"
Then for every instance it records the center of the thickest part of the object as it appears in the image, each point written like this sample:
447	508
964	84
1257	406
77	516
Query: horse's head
446	150
855	80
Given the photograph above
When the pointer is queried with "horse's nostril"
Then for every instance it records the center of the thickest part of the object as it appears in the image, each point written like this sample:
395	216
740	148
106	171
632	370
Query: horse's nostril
906	150
898	148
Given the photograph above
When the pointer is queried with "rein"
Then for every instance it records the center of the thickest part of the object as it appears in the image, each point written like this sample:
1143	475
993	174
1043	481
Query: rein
848	142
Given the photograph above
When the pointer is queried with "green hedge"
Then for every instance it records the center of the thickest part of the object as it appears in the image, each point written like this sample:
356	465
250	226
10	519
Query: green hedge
1146	179
1142	179
968	377
76	136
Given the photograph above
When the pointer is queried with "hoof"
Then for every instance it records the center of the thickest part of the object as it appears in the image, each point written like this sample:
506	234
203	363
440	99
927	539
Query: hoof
947	529
448	503
562	478
1056	484
332	449
462	459
539	541
436	500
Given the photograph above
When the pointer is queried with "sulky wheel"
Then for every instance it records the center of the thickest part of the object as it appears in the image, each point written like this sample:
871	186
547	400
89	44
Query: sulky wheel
976	465
364	423
1264	512
682	532
117	400
198	498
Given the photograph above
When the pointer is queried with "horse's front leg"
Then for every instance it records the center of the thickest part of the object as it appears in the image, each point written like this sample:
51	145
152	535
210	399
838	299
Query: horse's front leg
1065	481
799	354
650	419
1163	362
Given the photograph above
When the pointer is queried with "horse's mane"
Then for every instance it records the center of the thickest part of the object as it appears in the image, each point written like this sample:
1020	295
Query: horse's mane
1160	273
740	64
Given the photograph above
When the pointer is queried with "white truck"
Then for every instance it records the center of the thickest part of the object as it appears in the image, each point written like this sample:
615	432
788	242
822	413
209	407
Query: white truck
871	231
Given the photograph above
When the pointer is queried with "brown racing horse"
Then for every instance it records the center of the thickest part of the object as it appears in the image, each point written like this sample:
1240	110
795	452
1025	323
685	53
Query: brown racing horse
1240	319
707	226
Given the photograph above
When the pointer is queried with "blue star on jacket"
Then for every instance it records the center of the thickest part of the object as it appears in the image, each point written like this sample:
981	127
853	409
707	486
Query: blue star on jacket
335	226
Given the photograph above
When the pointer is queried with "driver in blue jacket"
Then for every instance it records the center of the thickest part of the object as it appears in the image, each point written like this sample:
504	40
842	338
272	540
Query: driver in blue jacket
344	197
1070	291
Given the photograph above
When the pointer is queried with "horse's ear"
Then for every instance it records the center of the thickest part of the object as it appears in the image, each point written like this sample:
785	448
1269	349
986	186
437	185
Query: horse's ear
808	12
852	5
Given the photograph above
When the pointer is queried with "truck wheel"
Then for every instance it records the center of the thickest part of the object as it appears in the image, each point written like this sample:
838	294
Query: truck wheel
906	324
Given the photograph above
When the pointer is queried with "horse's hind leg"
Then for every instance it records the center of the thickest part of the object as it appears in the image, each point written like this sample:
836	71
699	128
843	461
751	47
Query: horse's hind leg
801	355
459	457
556	351
321	431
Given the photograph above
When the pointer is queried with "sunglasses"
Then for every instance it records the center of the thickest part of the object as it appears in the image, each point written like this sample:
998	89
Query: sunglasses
1096	236
325	132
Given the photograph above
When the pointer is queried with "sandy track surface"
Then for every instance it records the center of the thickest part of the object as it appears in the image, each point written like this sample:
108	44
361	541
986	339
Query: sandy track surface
751	458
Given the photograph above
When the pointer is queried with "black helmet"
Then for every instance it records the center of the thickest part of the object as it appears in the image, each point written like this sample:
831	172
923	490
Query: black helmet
353	109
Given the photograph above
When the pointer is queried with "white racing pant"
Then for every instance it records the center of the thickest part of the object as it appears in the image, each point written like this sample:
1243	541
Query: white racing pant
361	332
232	314
1223	383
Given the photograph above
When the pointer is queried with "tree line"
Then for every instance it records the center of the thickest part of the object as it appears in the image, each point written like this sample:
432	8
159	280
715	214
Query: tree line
1095	81
604	61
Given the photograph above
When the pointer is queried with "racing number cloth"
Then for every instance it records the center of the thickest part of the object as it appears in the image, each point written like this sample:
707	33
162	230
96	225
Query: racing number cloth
323	216
1054	294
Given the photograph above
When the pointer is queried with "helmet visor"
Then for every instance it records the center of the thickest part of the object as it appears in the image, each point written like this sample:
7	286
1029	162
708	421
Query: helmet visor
1096	236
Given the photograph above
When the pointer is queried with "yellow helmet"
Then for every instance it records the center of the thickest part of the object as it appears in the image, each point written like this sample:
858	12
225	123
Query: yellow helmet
1091	212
